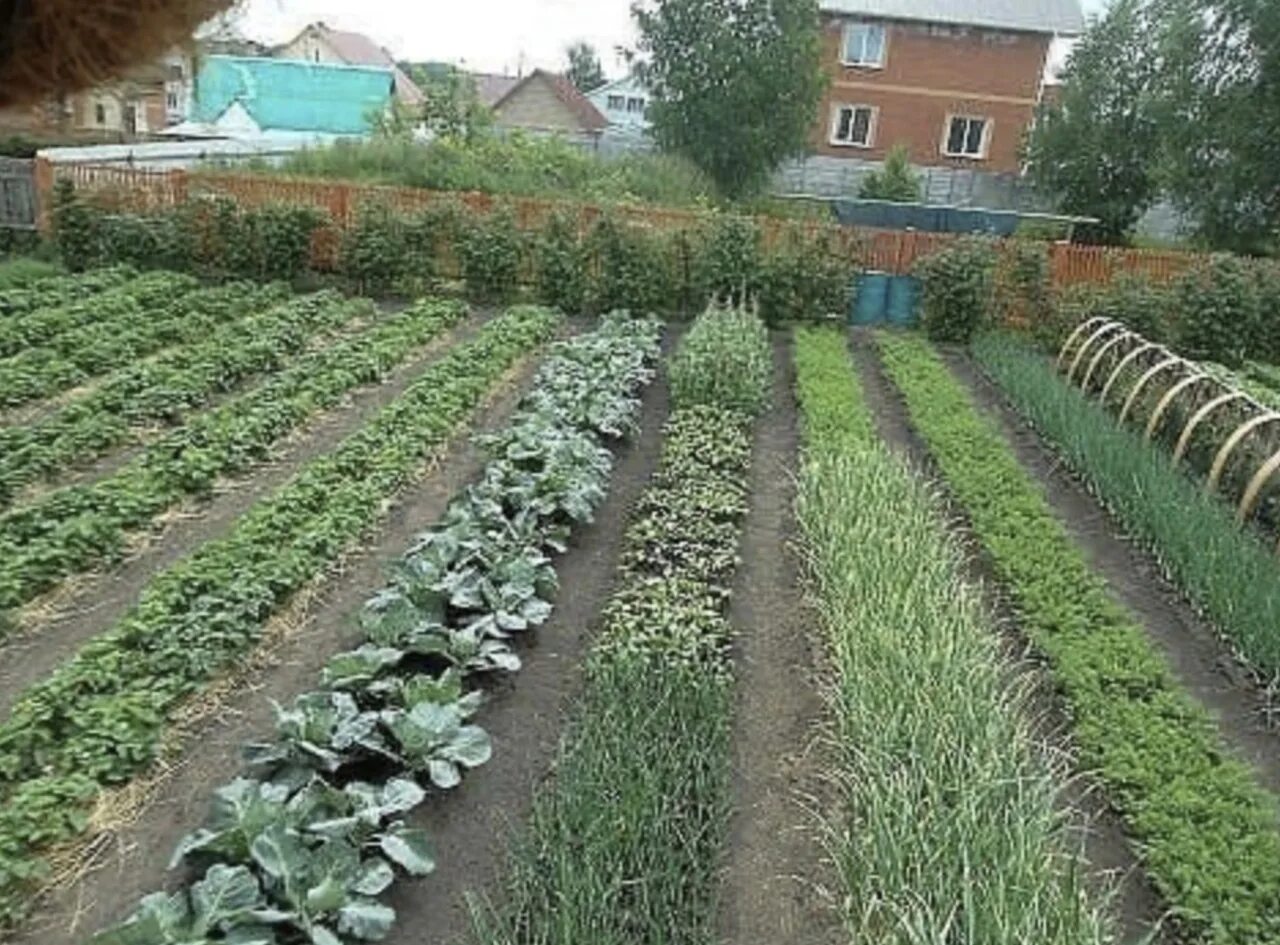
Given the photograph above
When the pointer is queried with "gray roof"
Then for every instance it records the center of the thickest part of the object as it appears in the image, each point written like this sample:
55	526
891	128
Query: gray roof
1031	16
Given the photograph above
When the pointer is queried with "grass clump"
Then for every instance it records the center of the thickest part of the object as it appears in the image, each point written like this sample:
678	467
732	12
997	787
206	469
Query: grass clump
726	360
948	814
1207	831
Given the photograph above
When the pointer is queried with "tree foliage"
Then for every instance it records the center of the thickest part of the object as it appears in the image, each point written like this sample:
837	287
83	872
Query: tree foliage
734	83
584	71
1179	98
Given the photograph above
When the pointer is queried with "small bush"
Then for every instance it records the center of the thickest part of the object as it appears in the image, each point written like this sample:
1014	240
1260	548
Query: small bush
631	267
1219	311
728	258
804	278
375	249
75	228
958	289
895	181
724	361
491	251
560	265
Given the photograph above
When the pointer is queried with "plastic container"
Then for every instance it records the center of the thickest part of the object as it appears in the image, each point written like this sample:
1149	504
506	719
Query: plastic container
871	299
902	297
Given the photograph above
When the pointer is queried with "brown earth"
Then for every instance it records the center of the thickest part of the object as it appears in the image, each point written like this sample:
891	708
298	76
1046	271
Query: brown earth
1136	908
778	886
54	628
139	827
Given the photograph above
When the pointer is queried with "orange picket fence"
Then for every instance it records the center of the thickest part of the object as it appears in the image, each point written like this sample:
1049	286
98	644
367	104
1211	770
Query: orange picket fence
891	251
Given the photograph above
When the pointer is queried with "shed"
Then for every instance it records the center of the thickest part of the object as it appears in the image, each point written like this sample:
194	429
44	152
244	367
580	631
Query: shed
547	102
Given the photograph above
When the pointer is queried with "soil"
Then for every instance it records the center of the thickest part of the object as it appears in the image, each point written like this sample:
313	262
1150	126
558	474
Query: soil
129	859
777	885
471	827
87	605
1136	907
1202	663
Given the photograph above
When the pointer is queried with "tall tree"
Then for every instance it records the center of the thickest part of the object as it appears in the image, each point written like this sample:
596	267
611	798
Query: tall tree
585	70
1096	148
734	84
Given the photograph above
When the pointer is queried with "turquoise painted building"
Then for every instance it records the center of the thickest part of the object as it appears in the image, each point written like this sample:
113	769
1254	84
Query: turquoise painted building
236	95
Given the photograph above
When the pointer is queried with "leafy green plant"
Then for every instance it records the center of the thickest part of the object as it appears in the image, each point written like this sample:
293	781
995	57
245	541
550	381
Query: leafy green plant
375	249
728	258
74	228
491	251
630	267
804	278
560	264
957	289
1219	315
61	290
725	359
894	180
1206	830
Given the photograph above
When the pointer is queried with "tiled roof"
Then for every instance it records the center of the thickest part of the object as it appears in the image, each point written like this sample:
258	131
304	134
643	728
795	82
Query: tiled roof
1062	17
356	49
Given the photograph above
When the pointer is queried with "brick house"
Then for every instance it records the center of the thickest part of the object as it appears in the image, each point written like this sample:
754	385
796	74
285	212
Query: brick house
955	81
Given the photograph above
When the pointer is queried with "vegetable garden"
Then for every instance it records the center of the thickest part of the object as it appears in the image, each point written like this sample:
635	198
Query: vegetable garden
536	620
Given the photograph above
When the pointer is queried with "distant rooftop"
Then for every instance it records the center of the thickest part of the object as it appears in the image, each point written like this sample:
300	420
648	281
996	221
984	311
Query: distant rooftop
1060	17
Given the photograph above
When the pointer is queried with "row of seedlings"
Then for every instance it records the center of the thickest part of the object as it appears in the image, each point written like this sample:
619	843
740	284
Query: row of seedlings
163	391
1207	832
78	356
57	291
121	304
949	823
72	529
624	845
100	719
1225	570
302	849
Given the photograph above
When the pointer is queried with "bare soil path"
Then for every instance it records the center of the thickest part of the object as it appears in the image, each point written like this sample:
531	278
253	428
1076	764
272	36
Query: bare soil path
1137	908
56	626
777	885
139	827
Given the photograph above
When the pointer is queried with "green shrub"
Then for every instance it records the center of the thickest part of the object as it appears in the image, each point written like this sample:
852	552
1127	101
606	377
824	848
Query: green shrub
1267	340
895	181
724	361
560	264
375	251
75	229
1218	311
958	289
631	267
804	278
490	251
728	257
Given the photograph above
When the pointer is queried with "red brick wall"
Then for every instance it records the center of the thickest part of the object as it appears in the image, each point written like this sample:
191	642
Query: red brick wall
927	77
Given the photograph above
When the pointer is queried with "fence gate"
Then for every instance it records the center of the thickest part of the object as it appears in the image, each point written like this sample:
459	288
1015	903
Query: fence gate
17	194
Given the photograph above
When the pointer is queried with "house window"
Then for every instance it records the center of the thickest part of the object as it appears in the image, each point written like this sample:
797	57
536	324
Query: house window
967	137
175	73
635	106
100	113
171	101
864	44
617	103
853	125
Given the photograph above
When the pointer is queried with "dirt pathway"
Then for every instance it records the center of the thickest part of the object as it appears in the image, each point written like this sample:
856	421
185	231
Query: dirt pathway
471	828
1137	908
776	885
1201	662
56	626
144	823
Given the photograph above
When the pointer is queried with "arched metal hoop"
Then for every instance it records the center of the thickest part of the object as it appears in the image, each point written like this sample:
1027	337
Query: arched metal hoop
1170	396
1102	353
1256	485
1081	329
1224	455
1124	362
1201	415
1146	379
1089	343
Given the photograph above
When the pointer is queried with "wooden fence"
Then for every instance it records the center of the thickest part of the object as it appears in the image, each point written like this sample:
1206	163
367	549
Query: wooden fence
890	251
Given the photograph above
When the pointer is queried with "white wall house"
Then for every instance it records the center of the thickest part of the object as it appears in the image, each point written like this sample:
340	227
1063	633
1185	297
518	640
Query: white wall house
624	102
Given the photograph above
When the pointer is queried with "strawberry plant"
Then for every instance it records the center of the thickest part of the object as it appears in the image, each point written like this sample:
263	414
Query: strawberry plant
57	291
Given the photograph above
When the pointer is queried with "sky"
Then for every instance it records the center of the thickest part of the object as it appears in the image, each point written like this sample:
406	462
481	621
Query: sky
483	35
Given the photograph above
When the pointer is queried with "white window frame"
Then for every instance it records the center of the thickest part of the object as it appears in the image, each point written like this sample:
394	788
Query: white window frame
849	27
872	123
987	126
639	105
615	102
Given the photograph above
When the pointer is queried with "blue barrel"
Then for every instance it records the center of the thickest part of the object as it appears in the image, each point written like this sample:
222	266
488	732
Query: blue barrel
903	294
871	298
